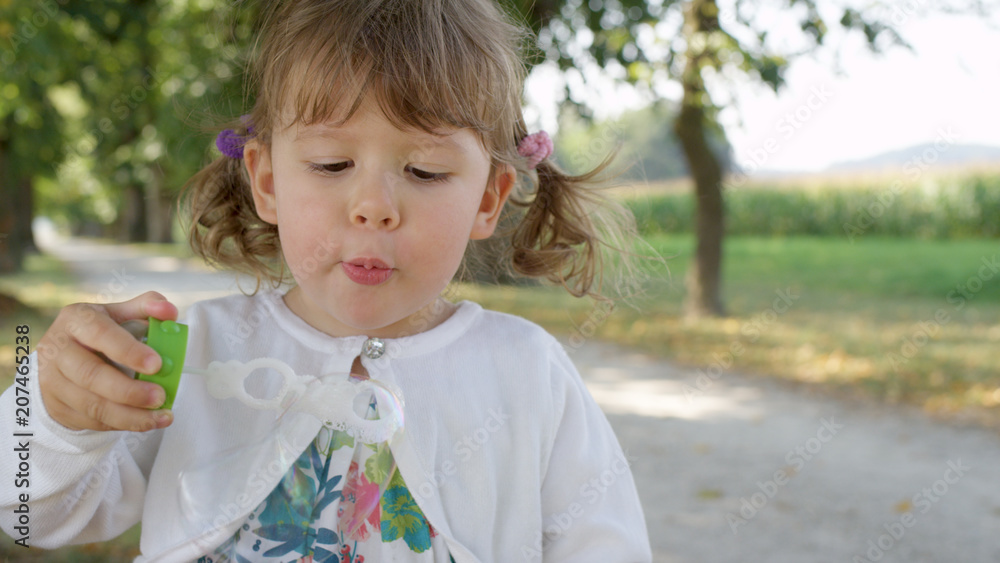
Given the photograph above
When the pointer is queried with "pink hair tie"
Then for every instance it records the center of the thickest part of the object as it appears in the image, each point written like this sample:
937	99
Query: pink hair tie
536	148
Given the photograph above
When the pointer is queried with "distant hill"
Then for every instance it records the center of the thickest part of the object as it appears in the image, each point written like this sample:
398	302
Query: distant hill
923	156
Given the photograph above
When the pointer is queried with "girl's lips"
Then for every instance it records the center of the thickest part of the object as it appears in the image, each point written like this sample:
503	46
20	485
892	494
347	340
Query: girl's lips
367	271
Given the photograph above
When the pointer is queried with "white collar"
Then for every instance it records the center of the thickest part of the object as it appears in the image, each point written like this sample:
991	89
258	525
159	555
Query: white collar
413	345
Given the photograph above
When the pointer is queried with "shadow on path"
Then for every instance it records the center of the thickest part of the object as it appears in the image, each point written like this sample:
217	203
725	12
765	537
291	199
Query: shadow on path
749	470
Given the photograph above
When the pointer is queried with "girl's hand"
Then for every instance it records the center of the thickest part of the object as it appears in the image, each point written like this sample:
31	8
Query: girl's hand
80	389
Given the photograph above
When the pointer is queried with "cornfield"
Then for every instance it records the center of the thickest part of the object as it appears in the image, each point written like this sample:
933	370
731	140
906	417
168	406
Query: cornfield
944	208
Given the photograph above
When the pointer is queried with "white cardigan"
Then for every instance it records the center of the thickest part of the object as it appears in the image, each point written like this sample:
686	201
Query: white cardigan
502	442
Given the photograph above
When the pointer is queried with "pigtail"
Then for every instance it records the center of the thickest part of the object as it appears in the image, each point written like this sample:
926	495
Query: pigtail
224	227
569	231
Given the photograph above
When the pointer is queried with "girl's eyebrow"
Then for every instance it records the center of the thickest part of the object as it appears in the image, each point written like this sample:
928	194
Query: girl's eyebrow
445	142
320	131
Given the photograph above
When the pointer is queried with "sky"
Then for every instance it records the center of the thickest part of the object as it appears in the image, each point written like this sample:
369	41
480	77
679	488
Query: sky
947	90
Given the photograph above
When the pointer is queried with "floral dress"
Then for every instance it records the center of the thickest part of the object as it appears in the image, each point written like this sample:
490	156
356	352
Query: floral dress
340	502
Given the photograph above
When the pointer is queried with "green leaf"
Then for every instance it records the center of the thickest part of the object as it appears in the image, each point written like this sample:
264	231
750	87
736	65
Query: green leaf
378	466
340	440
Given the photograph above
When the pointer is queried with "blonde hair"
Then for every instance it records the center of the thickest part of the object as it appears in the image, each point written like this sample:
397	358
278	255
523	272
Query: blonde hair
430	64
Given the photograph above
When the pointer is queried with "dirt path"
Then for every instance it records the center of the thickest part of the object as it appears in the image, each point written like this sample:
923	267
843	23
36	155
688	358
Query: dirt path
741	469
748	470
118	273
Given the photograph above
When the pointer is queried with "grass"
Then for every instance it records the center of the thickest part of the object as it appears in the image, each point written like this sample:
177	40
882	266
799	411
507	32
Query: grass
123	549
45	282
50	286
853	326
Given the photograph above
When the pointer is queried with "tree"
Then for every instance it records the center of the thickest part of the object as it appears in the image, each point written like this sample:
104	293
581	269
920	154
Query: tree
622	36
34	54
154	64
100	104
650	151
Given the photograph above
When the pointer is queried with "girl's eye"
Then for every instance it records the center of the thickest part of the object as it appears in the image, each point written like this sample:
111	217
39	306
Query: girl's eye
332	167
427	176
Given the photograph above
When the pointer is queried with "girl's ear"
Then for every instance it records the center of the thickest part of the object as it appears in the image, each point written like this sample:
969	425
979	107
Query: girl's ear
494	197
257	159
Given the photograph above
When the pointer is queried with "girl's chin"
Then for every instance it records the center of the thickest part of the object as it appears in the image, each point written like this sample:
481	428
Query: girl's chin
360	317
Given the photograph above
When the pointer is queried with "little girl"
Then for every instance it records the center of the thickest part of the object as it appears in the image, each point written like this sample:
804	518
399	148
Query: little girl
384	136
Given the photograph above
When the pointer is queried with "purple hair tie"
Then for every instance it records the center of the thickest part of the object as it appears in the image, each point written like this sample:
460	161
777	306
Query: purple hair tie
230	143
536	148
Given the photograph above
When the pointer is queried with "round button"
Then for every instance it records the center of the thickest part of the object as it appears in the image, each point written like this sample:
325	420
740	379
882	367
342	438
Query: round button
167	367
373	348
170	327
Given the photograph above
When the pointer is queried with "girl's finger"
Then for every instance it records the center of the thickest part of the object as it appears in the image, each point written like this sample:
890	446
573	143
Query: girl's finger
69	418
78	409
93	327
149	304
84	369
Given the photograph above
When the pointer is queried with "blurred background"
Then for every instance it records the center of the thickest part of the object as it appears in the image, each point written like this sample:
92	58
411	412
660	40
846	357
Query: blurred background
821	177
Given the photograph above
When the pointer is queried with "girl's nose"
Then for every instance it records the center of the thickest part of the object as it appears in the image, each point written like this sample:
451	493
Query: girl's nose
373	204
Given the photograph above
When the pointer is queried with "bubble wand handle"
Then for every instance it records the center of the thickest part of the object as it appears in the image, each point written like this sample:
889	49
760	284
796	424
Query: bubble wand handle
169	340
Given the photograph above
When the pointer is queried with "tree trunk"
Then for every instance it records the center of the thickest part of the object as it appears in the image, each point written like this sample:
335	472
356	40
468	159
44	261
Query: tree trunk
25	206
154	208
16	238
133	226
704	275
164	211
11	254
16	213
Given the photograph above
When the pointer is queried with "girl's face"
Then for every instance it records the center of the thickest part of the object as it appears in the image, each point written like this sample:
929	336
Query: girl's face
374	220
